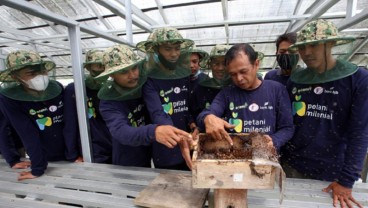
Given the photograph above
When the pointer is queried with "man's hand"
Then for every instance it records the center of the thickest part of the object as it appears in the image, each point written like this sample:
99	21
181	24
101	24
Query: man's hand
342	195
170	136
185	152
215	127
194	130
269	141
22	165
26	175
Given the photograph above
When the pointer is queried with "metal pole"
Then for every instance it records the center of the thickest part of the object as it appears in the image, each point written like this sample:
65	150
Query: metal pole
80	91
128	21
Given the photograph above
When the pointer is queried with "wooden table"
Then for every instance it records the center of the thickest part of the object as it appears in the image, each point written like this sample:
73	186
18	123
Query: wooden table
100	185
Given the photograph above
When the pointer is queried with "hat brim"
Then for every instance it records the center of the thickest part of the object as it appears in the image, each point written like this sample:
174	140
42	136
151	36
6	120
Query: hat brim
117	69
6	77
202	54
148	46
93	62
338	40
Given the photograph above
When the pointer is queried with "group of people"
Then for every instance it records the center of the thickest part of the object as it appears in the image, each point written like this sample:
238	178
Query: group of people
150	110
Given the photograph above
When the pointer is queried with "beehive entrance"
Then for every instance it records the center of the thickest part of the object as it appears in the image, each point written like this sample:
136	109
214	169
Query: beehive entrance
221	149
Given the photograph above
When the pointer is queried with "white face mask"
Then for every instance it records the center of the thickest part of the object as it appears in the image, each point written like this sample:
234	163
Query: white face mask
38	83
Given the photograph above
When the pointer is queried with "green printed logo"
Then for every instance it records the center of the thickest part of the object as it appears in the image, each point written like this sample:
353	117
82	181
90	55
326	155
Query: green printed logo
32	112
168	108
231	106
162	93
238	123
298	107
43	121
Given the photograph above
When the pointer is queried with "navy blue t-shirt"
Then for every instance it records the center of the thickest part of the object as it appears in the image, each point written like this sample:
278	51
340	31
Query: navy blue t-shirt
331	131
100	135
40	126
265	109
132	133
9	142
276	75
195	81
201	99
167	102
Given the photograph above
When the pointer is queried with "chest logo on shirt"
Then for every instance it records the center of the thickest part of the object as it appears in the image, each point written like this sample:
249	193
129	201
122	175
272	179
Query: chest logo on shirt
238	123
43	121
300	108
134	121
163	93
253	107
177	90
34	112
91	109
172	107
207	105
318	90
53	108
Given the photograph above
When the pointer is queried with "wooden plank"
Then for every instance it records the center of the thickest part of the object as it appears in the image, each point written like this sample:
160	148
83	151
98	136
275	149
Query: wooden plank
230	198
172	190
13	202
55	187
64	195
109	168
100	176
113	188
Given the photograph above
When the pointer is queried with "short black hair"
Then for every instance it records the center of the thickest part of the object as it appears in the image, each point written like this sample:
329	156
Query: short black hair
246	48
290	37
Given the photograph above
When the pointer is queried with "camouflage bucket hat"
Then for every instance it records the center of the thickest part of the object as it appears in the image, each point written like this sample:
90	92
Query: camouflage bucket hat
202	54
216	51
219	50
319	31
93	56
117	59
19	59
260	55
163	35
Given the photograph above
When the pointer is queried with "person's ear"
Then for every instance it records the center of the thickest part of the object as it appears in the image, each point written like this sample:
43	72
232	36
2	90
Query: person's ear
155	48
14	76
256	63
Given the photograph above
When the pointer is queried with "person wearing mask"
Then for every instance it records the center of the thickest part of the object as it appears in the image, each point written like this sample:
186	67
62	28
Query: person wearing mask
100	135
329	99
287	60
33	105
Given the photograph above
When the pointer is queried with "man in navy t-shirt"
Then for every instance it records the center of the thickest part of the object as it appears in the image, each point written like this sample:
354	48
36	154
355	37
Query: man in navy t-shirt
330	102
250	105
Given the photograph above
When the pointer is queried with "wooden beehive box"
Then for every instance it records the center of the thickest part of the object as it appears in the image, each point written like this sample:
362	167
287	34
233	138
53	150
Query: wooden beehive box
218	165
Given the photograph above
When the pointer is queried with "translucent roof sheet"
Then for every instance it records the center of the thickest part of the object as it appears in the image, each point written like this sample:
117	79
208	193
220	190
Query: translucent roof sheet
208	23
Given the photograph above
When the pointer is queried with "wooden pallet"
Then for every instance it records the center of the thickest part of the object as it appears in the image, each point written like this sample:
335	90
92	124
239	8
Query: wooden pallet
100	185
